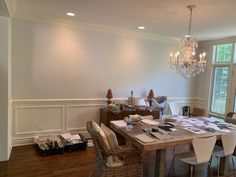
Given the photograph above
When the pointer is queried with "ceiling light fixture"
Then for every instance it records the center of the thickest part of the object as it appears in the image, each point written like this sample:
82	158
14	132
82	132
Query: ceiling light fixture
141	27
70	14
185	61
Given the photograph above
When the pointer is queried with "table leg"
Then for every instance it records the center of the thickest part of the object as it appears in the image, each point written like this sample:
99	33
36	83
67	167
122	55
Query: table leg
224	165
160	163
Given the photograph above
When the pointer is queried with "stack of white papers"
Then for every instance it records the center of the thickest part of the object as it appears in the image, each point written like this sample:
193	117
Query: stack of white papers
69	137
73	139
119	123
144	138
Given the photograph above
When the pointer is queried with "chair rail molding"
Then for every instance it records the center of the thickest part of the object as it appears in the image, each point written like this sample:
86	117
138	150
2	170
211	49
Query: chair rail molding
35	117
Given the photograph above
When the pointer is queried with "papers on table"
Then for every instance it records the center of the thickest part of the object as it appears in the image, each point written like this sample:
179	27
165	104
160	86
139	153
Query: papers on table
224	130
161	135
144	138
196	122
119	123
185	124
212	126
214	120
150	122
195	130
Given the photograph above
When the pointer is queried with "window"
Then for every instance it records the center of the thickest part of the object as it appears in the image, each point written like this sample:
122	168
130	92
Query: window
224	53
222	61
220	88
235	103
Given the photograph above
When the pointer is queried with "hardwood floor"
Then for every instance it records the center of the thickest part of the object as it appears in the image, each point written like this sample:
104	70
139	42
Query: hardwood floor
25	161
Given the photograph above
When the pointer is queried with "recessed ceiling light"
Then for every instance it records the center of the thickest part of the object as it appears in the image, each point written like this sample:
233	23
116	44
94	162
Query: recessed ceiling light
141	27
70	14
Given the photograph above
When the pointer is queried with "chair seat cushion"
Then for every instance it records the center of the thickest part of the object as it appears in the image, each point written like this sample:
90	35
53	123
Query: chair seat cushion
115	163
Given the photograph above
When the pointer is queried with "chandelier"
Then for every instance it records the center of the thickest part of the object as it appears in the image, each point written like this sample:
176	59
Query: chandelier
185	61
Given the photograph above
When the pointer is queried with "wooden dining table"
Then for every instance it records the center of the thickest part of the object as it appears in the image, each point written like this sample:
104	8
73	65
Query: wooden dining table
176	138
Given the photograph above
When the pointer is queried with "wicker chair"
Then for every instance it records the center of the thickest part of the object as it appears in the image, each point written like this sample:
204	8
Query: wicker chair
229	118
132	164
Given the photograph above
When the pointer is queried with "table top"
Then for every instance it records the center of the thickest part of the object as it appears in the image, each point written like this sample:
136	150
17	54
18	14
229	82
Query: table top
179	137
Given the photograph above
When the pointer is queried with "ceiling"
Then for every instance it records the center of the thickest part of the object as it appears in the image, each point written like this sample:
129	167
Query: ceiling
212	19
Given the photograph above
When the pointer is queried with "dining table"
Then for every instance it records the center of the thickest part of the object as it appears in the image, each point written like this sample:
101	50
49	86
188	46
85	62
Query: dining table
160	134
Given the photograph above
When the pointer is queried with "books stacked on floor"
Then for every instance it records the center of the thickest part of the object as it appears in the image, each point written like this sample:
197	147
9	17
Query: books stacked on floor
72	139
49	144
73	142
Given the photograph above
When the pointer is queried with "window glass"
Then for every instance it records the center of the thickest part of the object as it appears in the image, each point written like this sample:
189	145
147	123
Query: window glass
234	56
220	89
235	103
224	52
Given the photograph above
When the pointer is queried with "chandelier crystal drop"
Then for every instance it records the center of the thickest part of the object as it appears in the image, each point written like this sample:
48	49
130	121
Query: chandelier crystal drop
185	61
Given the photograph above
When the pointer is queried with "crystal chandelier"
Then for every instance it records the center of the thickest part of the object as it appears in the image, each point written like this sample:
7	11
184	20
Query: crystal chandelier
185	61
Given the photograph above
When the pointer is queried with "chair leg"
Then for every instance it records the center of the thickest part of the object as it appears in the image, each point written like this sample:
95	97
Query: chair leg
218	167
191	170
209	168
233	165
172	167
92	173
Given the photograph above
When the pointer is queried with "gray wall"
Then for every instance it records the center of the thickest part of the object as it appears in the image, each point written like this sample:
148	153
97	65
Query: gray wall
55	61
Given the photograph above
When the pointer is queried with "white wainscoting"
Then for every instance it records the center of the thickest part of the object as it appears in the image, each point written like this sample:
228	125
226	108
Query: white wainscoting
53	116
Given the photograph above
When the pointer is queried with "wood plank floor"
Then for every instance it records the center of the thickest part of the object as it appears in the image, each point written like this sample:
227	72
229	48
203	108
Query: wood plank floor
26	162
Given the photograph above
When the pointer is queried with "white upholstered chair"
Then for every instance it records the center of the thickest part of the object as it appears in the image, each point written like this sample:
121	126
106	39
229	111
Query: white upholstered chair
175	108
201	154
228	143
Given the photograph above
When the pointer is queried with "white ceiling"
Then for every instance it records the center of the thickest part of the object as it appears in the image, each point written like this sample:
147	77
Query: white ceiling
212	19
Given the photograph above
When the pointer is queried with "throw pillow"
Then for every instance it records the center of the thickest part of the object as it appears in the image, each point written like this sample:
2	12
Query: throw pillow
104	140
234	116
113	143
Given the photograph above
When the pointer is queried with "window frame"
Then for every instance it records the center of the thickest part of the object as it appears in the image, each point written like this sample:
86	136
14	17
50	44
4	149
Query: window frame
215	64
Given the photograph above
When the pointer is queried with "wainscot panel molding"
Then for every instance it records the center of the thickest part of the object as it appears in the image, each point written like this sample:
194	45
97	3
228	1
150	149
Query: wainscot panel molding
35	117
